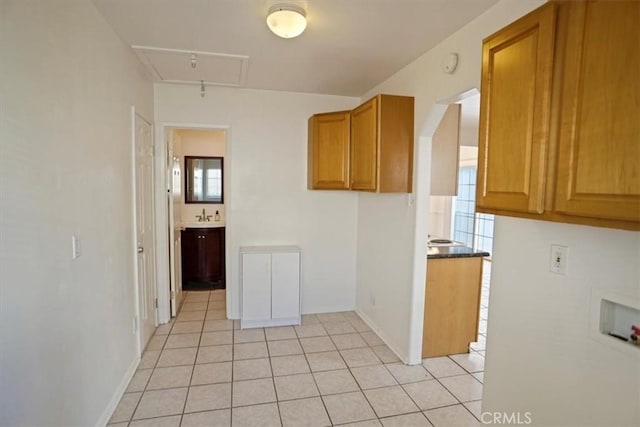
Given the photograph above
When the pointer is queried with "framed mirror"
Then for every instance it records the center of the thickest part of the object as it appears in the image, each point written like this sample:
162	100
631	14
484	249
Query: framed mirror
203	179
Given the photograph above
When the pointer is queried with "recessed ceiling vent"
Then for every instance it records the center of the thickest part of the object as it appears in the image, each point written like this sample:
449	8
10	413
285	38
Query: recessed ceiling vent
194	67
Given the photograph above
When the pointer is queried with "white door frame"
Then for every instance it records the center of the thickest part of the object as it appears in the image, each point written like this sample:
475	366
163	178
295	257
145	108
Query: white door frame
134	251
163	222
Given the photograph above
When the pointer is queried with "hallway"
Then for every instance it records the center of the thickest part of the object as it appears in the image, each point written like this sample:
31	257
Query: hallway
202	370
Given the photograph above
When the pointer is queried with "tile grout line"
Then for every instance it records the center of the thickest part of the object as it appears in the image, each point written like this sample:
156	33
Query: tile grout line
324	405
454	396
306	354
195	360
233	349
355	380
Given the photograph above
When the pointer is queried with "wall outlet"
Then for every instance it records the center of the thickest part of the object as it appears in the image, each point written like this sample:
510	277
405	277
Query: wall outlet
559	259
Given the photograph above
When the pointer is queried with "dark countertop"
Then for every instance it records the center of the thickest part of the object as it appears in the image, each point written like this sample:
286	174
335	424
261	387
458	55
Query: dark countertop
435	252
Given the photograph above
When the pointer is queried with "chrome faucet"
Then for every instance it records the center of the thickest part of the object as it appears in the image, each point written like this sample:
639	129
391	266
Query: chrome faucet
203	217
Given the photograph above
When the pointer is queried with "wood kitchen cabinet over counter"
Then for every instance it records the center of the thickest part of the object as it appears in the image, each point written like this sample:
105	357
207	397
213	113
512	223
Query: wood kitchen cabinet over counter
367	149
382	145
559	127
328	159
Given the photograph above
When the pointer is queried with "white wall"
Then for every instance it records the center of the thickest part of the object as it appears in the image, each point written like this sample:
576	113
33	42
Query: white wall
404	225
68	83
440	216
266	197
540	355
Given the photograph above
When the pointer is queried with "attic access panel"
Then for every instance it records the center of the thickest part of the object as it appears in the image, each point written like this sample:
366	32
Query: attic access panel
175	66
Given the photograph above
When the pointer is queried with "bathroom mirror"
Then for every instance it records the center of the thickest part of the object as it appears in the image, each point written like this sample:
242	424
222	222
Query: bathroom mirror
203	180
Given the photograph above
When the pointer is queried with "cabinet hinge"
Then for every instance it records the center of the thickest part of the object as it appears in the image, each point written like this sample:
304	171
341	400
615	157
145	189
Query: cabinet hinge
156	302
173	294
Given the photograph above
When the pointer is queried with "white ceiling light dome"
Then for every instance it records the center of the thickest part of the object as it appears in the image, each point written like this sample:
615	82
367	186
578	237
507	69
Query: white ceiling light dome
286	20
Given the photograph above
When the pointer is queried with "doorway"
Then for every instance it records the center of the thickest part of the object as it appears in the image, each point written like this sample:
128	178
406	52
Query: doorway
196	228
451	215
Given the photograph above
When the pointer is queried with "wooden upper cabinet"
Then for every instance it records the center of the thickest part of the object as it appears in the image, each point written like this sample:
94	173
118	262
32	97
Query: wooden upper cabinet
517	67
328	151
445	149
382	145
598	168
560	116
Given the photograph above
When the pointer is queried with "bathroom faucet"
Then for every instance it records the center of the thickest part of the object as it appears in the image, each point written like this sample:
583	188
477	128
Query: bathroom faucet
203	217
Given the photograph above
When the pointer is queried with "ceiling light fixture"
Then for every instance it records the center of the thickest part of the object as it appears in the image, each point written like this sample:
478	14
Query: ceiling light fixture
286	21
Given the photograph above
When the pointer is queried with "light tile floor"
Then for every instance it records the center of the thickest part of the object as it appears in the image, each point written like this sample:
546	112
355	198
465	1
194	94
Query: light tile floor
202	370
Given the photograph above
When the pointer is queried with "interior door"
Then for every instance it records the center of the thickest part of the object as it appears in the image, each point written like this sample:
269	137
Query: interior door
147	310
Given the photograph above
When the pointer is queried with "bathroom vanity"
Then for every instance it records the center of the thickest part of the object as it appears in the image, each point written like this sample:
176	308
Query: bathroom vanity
203	254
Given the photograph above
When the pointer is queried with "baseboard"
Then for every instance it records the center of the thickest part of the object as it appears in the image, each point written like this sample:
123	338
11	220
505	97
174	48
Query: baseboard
404	358
117	395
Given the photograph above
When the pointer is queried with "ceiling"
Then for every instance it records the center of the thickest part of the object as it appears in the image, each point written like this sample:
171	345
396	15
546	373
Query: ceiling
349	46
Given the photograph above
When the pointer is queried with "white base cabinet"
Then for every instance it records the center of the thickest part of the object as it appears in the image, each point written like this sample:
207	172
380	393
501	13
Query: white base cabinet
270	277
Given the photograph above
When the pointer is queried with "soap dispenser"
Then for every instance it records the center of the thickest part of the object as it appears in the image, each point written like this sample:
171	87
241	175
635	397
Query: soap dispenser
217	216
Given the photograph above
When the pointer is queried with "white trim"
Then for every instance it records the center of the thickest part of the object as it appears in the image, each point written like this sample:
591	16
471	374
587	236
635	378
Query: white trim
117	395
207	83
197	52
134	227
141	50
403	357
163	222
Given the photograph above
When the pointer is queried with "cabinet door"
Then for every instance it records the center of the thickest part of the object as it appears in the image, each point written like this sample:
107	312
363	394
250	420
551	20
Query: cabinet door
444	153
395	144
517	65
285	285
256	286
212	254
190	256
328	166
598	172
364	146
452	305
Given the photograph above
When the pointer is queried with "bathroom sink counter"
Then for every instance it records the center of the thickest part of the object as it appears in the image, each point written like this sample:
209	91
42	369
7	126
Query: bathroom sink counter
203	224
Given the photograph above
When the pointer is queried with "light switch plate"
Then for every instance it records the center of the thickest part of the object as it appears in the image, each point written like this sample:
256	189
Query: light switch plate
76	249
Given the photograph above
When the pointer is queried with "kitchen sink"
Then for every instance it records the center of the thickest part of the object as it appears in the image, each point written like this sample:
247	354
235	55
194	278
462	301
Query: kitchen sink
443	242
